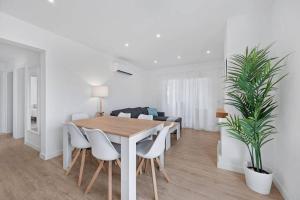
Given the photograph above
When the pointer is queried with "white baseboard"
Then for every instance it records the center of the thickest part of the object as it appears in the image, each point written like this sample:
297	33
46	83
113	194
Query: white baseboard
19	137
50	156
5	133
283	191
229	166
35	147
42	156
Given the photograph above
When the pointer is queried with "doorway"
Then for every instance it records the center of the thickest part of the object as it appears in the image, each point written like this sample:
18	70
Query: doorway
20	92
32	107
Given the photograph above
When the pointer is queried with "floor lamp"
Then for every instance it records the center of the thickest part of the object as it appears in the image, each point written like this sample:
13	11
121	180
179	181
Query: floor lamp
100	92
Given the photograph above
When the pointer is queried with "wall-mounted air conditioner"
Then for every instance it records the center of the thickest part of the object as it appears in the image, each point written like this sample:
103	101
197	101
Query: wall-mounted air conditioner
122	69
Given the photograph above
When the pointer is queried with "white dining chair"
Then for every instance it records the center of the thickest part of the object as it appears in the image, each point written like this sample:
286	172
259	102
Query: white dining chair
103	150
125	115
78	116
146	117
80	144
151	150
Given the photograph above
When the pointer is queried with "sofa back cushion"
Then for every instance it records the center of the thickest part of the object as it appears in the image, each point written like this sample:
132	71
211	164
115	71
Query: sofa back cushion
135	112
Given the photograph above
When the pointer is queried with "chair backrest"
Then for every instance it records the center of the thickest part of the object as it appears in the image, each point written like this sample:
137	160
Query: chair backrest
158	146
78	116
147	117
125	115
77	138
102	148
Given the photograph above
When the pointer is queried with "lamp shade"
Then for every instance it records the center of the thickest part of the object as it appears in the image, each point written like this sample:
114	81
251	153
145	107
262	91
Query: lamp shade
100	91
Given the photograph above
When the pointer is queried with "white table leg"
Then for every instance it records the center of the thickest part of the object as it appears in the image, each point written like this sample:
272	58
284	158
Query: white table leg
178	131
67	148
168	141
128	169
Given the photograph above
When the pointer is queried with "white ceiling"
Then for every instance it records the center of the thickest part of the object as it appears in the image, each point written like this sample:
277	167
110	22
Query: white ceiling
188	27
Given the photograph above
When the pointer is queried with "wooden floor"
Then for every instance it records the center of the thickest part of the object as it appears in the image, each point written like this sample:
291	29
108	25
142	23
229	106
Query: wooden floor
190	163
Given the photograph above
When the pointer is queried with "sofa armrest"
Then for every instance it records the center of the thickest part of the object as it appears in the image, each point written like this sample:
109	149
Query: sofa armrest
161	114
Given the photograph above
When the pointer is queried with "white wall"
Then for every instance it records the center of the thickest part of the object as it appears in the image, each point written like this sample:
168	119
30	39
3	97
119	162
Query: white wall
19	103
4	66
68	70
5	102
247	30
2	102
286	32
125	91
9	102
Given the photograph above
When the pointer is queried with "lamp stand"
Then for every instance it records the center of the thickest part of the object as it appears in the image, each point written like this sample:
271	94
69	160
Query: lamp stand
100	112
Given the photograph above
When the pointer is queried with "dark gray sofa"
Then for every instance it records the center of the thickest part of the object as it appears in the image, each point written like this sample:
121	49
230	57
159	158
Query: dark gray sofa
135	112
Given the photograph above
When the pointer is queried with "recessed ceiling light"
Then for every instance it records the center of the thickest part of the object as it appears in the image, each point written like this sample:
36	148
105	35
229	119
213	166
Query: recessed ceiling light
208	52
155	61
178	57
51	1
126	44
157	35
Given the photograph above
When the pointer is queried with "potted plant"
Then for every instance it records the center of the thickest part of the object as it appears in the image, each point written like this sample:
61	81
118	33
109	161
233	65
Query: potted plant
251	80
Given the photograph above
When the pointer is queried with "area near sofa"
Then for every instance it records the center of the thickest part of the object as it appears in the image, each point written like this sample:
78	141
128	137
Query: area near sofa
135	112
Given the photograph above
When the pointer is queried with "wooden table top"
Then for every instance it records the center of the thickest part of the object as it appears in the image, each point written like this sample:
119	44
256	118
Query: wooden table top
125	127
221	113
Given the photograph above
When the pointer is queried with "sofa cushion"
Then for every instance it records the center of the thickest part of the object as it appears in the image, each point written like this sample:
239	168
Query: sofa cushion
175	119
125	115
135	112
159	118
152	111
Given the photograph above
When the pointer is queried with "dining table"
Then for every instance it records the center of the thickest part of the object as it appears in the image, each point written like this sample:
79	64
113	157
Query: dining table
125	131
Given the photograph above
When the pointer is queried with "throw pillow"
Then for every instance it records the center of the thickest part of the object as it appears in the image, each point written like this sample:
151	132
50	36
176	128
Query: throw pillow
152	111
125	115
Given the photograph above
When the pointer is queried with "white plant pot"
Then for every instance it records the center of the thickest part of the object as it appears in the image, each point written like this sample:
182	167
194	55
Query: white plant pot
258	182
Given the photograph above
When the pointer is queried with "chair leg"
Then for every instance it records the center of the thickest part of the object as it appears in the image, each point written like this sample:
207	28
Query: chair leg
73	161
81	166
154	179
118	163
146	166
162	170
109	180
104	168
73	152
94	176
139	169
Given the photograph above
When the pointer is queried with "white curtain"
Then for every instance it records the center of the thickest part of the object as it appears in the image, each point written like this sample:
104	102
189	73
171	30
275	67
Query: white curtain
193	99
